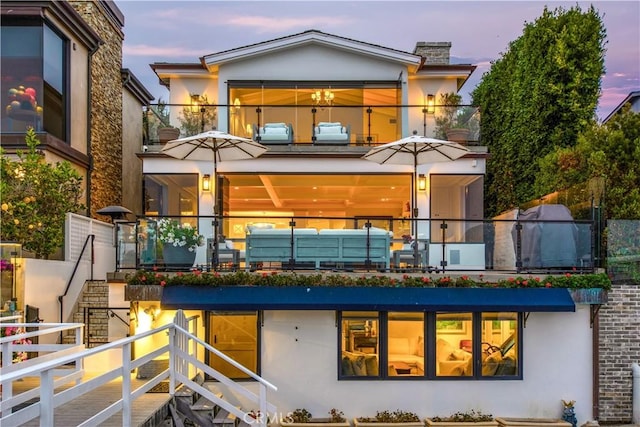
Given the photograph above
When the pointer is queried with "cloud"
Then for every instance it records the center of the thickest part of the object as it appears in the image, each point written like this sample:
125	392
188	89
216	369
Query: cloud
161	51
267	24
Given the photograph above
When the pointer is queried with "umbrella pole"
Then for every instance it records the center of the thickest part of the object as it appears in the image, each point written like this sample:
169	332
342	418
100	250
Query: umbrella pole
216	211
414	223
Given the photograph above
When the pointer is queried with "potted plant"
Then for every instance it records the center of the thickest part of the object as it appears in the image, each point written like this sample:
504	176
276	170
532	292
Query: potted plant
455	123
303	418
179	241
198	117
390	419
470	418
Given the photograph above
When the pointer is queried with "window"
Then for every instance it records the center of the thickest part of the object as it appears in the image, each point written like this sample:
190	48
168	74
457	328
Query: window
170	194
34	64
416	345
237	336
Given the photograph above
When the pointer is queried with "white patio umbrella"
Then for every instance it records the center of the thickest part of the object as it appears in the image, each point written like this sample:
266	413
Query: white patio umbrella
416	150
215	146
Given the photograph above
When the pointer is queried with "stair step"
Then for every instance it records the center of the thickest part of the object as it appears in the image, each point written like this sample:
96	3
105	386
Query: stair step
224	418
204	404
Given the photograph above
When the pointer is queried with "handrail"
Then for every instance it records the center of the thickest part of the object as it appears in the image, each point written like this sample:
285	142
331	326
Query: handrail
75	269
112	314
180	356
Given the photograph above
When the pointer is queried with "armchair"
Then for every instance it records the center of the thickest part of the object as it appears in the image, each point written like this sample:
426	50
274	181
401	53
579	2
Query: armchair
332	133
273	134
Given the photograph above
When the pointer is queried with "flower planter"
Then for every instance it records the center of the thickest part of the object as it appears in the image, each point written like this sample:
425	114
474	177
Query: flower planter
143	293
168	133
459	135
531	422
316	422
430	422
357	423
178	256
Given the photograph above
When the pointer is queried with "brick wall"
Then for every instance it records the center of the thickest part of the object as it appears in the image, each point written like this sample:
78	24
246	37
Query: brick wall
106	106
619	348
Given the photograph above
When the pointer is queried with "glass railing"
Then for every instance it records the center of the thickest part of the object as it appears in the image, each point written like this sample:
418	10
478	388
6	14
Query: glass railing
356	243
335	125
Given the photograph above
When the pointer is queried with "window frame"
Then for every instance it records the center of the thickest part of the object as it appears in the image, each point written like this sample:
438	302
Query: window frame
429	349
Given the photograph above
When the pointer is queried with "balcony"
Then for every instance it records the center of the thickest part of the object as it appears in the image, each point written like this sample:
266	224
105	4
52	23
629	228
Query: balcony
324	127
361	244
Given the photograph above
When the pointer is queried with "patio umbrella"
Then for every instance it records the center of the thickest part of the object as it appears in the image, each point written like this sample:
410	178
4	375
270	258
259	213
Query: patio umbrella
415	150
214	146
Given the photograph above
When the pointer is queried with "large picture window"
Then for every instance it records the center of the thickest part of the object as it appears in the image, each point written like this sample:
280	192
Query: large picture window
34	79
416	345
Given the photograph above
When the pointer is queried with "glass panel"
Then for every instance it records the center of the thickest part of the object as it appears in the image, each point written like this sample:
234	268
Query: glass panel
170	194
454	344
236	335
499	344
54	87
22	78
456	197
359	344
406	344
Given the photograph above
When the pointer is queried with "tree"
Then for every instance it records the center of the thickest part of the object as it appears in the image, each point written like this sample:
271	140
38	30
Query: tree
36	197
538	96
610	152
198	119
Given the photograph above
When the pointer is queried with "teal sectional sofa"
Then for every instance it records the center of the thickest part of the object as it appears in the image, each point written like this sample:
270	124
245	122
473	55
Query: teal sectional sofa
308	245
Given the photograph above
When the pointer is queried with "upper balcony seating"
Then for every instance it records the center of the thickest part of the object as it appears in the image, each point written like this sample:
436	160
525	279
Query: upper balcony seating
273	134
332	133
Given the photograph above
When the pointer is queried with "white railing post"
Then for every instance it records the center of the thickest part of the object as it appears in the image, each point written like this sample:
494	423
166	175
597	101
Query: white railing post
46	398
172	360
264	415
126	385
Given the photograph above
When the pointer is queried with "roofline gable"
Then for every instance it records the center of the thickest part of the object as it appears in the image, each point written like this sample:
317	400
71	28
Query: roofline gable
214	60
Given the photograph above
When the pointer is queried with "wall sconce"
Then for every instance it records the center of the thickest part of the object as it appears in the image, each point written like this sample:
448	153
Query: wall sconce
206	182
195	103
153	312
422	182
430	104
236	105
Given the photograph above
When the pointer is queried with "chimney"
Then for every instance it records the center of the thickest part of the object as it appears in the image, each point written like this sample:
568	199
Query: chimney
434	53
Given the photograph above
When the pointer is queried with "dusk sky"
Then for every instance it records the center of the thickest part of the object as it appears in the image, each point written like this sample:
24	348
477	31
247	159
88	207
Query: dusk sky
183	31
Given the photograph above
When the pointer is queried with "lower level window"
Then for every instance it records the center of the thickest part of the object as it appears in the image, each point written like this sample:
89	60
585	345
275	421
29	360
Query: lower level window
395	345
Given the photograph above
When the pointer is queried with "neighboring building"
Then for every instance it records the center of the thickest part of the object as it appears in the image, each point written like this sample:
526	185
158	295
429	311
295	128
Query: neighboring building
633	98
61	74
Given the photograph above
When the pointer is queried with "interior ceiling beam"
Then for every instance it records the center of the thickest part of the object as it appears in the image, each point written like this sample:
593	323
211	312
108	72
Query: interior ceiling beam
273	194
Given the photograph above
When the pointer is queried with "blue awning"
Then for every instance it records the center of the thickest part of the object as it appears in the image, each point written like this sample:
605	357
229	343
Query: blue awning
367	298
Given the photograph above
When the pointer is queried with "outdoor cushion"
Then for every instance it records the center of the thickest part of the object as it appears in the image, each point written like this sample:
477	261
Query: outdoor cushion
275	131
275	125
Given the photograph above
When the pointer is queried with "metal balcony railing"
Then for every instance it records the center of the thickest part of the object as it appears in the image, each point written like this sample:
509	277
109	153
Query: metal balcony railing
361	125
355	244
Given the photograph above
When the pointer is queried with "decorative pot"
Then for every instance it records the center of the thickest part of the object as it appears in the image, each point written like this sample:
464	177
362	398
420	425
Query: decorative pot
178	256
430	422
168	133
531	422
459	135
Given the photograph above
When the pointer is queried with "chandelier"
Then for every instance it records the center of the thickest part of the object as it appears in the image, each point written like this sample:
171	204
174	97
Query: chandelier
322	97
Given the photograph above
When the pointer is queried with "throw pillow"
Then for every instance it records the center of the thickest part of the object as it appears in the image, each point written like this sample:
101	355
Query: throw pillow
347	367
359	366
371	362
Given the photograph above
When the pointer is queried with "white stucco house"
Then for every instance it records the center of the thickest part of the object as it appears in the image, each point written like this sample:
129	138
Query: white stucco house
319	102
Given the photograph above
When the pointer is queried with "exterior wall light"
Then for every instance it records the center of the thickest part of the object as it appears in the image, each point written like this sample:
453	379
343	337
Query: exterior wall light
206	182
195	103
422	182
430	104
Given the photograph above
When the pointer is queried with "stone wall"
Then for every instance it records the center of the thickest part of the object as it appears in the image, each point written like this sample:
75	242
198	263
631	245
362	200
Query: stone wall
106	105
619	347
434	53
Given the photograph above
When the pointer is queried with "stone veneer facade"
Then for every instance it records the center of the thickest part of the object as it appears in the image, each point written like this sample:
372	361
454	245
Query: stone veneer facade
106	103
434	53
619	323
